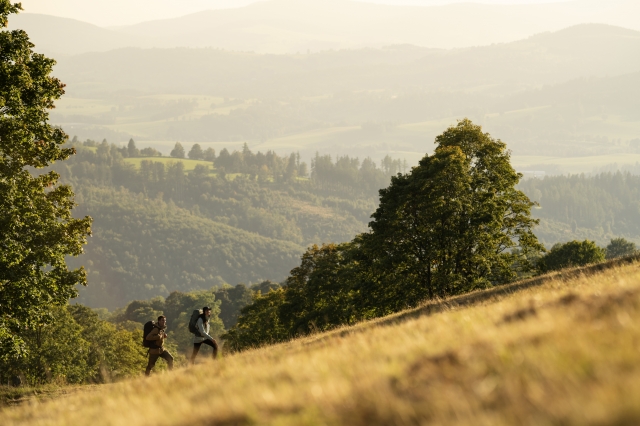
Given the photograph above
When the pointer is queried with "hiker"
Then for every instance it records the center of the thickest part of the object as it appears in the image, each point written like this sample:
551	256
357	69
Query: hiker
201	336
156	338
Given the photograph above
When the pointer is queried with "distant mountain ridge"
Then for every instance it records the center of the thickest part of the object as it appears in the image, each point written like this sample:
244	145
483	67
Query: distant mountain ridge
550	58
289	26
559	93
56	36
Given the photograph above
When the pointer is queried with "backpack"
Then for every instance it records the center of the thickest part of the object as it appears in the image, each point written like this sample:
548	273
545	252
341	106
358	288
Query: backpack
148	327
193	322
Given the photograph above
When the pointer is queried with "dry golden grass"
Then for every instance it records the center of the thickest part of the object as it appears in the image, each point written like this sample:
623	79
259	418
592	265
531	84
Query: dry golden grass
562	349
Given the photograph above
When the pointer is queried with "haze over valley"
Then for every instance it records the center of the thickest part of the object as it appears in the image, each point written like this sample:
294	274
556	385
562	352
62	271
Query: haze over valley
360	88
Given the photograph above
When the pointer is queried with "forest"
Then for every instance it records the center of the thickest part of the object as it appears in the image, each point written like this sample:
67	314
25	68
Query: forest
244	217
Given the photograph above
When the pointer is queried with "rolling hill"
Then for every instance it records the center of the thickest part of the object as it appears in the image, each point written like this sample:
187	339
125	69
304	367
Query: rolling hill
143	248
560	349
580	51
58	36
290	26
572	90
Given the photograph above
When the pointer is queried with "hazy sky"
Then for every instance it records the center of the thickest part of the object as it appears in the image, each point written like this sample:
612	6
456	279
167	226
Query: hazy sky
124	12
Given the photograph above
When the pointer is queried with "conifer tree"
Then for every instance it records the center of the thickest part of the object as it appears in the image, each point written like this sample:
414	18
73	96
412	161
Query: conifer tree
177	151
209	154
132	151
196	152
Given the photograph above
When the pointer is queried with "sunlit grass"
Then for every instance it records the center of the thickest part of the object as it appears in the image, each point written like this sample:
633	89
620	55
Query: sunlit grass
10	396
562	349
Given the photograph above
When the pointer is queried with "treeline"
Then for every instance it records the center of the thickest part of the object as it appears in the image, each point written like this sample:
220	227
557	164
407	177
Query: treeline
347	174
291	211
454	224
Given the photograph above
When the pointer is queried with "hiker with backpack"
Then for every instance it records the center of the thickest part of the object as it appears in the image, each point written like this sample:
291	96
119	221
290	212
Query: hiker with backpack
154	337
199	326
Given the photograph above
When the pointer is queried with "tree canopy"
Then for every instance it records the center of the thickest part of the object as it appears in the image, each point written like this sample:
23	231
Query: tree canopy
619	247
453	223
573	253
36	225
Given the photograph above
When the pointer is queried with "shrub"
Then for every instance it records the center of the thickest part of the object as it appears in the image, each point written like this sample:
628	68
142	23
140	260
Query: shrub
573	253
619	247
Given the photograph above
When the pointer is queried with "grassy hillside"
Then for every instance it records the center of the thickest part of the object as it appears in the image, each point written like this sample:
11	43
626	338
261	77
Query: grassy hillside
560	349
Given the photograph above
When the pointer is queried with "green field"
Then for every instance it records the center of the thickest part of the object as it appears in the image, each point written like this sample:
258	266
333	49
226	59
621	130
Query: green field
188	164
556	138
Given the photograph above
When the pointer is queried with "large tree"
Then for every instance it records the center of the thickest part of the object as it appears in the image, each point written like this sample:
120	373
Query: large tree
453	224
36	225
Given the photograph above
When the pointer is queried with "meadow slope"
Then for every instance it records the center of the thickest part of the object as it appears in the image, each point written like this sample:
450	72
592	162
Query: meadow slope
559	349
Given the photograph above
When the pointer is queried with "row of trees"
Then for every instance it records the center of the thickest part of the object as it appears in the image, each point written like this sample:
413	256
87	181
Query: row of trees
125	151
345	174
577	253
453	224
339	285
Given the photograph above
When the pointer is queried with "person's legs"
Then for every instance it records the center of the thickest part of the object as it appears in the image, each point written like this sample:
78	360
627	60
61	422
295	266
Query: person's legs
196	349
214	345
152	362
166	355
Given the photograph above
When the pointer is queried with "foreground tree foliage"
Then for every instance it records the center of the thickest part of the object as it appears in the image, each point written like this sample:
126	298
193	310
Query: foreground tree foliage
453	224
74	346
36	225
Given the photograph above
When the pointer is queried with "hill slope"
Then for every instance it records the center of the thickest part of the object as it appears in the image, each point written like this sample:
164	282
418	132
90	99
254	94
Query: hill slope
144	248
561	349
551	58
64	36
565	94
